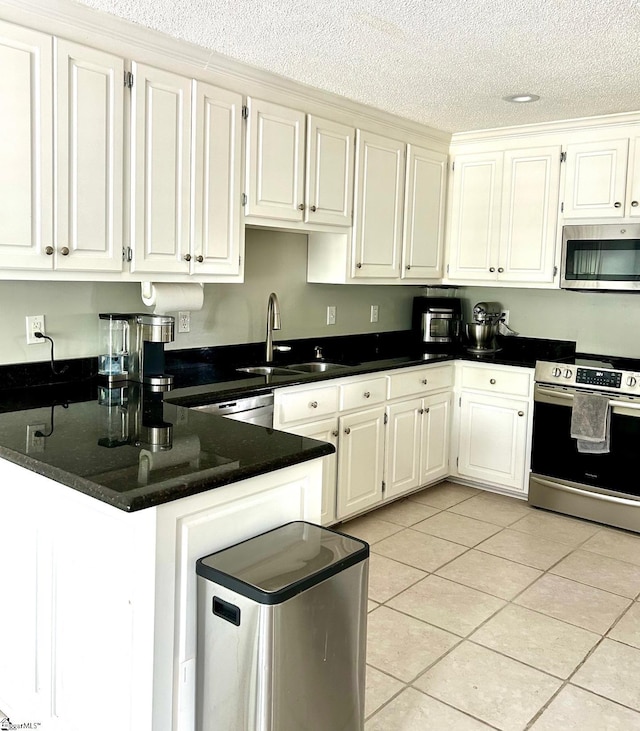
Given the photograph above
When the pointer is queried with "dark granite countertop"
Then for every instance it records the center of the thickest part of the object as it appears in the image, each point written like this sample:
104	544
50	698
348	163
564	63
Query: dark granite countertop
95	441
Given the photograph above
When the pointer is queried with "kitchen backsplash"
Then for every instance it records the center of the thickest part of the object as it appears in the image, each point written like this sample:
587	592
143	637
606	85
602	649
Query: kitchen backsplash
276	261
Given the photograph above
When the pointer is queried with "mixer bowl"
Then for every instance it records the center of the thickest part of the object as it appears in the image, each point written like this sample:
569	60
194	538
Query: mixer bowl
481	336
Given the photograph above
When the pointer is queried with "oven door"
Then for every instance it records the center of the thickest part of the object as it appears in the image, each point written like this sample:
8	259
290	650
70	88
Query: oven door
555	454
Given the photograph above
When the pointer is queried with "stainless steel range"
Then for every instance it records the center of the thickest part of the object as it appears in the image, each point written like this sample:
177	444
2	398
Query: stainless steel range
604	487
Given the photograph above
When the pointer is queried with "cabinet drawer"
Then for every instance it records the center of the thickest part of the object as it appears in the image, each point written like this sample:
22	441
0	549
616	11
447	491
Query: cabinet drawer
419	382
363	393
514	383
310	404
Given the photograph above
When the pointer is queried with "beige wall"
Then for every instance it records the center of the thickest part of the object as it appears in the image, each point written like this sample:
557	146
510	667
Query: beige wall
600	323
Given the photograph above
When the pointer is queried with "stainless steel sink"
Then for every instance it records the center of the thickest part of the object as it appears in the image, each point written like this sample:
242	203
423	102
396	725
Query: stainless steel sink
266	371
315	367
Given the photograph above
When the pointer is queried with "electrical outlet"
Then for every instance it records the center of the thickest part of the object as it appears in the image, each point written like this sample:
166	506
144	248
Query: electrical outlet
331	315
184	322
35	323
505	316
374	313
35	438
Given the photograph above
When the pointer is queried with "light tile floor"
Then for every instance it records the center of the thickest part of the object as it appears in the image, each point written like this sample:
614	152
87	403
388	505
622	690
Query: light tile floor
486	613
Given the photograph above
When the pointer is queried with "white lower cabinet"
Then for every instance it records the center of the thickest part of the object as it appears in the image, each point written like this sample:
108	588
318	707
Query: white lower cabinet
360	461
495	427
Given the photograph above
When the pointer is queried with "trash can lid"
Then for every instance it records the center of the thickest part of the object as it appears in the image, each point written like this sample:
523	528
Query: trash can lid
275	566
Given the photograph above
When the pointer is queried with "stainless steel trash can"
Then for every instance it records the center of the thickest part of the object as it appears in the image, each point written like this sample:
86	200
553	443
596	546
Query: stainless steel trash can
282	632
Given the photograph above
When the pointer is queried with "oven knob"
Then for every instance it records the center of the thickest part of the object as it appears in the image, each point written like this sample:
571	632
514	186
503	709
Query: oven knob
568	373
556	372
631	381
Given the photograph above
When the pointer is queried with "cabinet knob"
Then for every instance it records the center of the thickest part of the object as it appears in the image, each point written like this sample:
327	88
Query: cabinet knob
335	433
520	413
64	251
367	394
314	404
49	251
617	204
200	258
313	209
500	270
408	267
426	411
347	430
492	269
301	207
424	381
492	381
359	265
421	411
634	204
187	257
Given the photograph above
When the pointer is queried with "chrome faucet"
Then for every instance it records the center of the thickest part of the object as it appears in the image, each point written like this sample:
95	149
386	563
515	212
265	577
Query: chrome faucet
273	323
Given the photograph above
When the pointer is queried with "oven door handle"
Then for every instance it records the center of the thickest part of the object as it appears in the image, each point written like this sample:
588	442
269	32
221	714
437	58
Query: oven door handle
549	396
581	492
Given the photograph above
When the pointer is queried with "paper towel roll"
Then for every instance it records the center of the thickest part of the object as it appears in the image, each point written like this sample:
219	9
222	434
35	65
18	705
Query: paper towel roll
167	297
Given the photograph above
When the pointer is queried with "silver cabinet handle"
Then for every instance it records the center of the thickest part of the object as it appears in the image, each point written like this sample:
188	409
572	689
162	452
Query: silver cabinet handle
492	381
187	257
617	204
492	269
500	270
421	411
64	251
314	404
335	433
49	251
520	413
200	259
634	204
347	430
408	267
313	209
359	265
301	207
426	411
367	394
424	381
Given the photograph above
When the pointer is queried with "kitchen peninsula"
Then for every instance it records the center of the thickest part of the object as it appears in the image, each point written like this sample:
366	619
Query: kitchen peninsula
100	537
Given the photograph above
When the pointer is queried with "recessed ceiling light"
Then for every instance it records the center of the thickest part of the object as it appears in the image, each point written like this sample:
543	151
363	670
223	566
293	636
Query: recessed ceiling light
521	98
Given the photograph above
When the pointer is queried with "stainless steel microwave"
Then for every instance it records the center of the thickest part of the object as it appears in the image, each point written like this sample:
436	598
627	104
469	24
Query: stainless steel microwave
602	257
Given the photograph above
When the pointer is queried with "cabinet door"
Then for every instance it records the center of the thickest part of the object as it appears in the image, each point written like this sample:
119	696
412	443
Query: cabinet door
360	461
633	187
423	231
26	170
329	178
217	229
493	433
160	170
595	180
475	218
275	159
379	195
325	431
434	452
530	197
89	181
402	447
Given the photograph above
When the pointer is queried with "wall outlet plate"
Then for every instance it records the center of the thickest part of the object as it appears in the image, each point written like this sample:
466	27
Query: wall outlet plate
331	314
35	323
184	322
35	438
374	313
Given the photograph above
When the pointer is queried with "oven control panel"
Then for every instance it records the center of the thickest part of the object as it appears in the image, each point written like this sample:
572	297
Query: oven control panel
594	377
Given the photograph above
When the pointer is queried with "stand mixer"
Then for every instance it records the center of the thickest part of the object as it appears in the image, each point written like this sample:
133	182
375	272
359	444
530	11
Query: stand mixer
481	333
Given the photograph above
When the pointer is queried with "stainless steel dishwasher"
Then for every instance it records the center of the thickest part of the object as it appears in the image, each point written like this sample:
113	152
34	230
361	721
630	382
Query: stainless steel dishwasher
256	409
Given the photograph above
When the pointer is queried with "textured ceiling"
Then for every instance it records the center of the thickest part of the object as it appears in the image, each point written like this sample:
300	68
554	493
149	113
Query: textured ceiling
443	64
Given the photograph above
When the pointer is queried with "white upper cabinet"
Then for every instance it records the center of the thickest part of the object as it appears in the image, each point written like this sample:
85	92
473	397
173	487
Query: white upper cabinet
329	173
423	229
217	230
379	198
160	171
475	217
89	156
633	186
596	179
275	161
504	215
26	169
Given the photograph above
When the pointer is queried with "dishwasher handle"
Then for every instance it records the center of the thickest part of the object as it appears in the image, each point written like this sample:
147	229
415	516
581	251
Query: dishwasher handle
244	403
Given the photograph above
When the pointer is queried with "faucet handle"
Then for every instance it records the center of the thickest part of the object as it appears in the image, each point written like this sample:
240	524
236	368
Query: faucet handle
318	349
